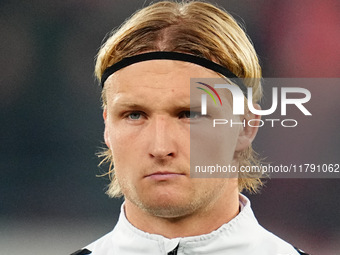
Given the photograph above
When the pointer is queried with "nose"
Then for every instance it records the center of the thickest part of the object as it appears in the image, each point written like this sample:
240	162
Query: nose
162	138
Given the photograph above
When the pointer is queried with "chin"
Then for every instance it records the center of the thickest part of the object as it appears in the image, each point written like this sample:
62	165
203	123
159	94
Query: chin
168	211
167	207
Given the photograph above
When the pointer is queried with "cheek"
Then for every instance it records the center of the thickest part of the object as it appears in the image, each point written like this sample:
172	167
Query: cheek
227	143
212	145
122	157
125	144
116	141
223	144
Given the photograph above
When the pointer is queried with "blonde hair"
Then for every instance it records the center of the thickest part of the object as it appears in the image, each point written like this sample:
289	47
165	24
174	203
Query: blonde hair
193	27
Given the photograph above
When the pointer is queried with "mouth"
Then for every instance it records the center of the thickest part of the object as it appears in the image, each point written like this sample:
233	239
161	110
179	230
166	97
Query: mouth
164	175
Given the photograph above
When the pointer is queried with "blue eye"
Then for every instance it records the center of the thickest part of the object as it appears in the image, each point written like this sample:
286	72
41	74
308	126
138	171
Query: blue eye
190	115
134	116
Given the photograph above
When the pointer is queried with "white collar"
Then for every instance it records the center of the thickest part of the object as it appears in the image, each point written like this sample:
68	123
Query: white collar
245	215
241	235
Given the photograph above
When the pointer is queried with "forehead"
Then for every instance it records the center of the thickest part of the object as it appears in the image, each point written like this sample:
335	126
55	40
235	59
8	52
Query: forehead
156	74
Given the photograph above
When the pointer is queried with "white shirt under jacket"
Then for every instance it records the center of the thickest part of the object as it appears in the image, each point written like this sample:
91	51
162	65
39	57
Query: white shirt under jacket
241	236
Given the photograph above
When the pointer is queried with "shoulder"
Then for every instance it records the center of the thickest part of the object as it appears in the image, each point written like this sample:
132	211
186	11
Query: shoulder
275	243
261	238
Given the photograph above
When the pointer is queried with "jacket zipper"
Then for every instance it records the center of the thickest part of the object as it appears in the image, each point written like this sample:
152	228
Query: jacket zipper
174	251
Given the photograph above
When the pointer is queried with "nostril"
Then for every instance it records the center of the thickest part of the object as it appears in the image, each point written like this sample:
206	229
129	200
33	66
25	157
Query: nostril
162	155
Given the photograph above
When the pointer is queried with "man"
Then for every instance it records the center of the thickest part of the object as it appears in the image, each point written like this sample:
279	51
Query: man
145	69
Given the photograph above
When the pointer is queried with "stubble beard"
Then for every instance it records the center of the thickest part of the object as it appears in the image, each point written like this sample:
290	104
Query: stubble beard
197	201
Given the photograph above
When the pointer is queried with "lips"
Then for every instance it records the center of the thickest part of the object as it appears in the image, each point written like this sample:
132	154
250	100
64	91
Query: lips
163	175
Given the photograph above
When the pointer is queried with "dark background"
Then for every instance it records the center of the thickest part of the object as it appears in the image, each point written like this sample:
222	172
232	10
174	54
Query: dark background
51	201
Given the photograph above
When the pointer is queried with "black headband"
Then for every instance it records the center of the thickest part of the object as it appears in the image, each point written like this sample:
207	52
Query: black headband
171	56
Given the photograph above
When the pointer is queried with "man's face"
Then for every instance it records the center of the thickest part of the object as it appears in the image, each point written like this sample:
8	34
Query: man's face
147	128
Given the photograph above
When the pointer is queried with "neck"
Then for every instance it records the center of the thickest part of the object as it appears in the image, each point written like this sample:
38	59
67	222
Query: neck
198	223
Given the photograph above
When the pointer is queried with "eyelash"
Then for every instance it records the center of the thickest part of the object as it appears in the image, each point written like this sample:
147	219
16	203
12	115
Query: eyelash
197	114
127	115
181	115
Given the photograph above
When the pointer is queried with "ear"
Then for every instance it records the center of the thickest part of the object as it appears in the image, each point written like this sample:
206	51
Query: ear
106	132
248	132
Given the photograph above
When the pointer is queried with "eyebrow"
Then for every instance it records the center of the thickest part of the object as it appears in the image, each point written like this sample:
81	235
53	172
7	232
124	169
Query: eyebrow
130	105
146	107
